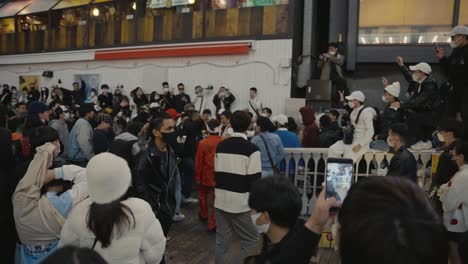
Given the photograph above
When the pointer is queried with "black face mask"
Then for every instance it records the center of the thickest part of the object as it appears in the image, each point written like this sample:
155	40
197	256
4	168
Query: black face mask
170	138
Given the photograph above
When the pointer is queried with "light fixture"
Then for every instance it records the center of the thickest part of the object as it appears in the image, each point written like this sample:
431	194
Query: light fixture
377	40
134	5
95	11
405	39
420	39
434	40
390	40
191	2
449	40
363	40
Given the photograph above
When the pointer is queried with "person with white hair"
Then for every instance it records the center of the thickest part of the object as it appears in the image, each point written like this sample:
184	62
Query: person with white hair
389	116
423	107
455	67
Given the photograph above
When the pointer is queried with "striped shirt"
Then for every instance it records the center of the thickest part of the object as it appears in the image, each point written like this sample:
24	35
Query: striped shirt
237	166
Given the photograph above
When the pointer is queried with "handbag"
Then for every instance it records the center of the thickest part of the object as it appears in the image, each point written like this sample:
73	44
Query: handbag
276	171
348	132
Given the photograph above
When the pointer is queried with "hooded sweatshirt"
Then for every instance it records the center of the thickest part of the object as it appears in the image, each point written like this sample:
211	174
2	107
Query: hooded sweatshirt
311	130
62	129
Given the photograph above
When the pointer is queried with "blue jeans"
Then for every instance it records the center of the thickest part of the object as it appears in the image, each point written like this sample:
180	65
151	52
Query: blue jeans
36	254
380	144
188	176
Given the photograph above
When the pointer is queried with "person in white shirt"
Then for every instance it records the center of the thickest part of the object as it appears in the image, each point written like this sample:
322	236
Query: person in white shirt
255	105
454	198
363	129
226	129
200	101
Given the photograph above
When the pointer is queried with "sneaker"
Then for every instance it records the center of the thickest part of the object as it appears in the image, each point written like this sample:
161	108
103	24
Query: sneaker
427	145
178	217
418	146
190	200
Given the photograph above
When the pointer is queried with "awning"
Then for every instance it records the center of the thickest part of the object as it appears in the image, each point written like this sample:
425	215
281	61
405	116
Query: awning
12	8
70	3
38	6
101	1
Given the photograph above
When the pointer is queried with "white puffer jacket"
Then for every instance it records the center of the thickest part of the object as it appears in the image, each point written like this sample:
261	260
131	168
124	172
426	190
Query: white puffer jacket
145	243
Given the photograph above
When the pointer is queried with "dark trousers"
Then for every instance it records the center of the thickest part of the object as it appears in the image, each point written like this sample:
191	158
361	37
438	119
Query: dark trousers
421	126
188	174
458	103
166	223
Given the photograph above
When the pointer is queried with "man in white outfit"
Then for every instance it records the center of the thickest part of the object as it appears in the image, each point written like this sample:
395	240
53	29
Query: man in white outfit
363	129
255	106
201	101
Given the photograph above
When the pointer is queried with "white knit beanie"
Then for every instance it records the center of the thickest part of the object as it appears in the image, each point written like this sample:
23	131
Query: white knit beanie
108	178
393	89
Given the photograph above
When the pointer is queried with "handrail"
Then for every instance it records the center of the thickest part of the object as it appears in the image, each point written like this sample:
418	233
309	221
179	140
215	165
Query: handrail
308	181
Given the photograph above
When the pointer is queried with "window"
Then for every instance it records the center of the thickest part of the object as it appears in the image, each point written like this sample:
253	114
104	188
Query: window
463	18
223	4
405	21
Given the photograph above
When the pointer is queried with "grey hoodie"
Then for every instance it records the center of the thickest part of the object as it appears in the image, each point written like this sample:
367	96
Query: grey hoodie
129	137
63	132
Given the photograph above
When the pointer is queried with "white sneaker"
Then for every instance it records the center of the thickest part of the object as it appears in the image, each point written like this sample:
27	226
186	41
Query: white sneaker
190	200
178	217
418	146
427	145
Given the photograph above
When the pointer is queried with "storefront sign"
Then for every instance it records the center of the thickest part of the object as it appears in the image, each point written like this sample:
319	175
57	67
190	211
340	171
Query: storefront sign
158	3
169	3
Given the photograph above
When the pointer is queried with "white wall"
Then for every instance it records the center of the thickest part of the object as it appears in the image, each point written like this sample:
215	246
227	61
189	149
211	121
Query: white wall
267	67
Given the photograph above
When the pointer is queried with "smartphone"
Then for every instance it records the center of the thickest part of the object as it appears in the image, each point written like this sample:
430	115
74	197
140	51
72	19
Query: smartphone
339	178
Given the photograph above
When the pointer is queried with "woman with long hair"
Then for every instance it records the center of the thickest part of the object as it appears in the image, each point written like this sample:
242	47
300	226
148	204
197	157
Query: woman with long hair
121	230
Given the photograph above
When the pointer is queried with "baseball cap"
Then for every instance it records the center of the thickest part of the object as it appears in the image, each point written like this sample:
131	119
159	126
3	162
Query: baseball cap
458	30
281	119
357	95
424	67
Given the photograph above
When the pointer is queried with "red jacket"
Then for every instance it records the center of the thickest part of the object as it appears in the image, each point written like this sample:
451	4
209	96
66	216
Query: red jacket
311	130
204	161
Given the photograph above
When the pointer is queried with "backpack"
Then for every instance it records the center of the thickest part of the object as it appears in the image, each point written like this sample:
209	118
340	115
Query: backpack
123	149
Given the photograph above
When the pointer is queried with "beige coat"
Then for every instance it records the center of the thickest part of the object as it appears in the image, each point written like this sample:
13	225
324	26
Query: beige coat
325	66
37	221
143	244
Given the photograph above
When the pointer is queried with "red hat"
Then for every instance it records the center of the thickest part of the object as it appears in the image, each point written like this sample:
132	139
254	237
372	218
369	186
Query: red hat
173	113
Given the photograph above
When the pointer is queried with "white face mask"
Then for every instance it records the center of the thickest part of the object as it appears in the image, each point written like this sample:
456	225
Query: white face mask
390	142
222	94
260	228
384	99
453	44
332	53
415	77
440	137
165	90
93	94
351	104
66	116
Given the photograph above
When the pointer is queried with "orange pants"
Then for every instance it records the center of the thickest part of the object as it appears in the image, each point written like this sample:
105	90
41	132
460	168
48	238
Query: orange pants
203	193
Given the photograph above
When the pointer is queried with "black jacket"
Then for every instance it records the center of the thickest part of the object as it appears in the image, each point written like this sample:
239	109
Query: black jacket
389	117
139	102
329	135
155	181
403	165
227	101
427	99
105	101
446	167
456	67
33	95
296	247
180	101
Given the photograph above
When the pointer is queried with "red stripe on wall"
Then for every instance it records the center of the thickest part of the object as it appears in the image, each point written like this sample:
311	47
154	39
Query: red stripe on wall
175	51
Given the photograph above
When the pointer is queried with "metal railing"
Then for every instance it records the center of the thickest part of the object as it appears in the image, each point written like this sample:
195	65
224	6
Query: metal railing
305	167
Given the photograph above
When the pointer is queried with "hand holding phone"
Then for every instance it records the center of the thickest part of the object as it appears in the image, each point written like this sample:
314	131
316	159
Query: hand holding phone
339	178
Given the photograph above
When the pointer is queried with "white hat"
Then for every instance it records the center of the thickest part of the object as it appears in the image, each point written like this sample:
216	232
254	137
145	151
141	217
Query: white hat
108	178
281	119
424	67
64	108
393	89
458	30
357	95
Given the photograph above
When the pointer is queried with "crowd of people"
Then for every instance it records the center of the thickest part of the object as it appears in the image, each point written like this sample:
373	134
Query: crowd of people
103	177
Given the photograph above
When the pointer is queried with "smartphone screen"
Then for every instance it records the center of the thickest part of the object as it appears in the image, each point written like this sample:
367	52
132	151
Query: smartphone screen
339	178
